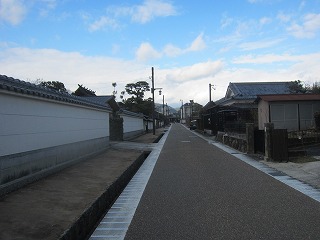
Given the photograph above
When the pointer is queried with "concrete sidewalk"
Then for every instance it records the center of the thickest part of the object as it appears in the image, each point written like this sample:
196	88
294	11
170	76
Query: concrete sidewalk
306	172
47	208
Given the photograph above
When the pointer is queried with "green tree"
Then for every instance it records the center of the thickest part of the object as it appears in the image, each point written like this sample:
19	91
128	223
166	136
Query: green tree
136	101
114	85
316	88
297	87
137	91
54	85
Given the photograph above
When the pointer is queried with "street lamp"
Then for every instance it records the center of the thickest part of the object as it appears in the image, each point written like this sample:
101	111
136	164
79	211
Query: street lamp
153	105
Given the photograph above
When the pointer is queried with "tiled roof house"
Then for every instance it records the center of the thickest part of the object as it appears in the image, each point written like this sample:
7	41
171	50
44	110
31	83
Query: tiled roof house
243	93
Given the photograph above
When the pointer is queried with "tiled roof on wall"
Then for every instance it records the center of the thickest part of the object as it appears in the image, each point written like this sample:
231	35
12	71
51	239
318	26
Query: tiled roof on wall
26	88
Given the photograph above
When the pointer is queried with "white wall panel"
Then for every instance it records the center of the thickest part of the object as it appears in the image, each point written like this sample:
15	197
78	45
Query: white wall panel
131	124
29	124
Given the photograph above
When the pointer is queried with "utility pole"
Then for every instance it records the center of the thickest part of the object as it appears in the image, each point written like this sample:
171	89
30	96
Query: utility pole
163	105
181	110
153	115
191	110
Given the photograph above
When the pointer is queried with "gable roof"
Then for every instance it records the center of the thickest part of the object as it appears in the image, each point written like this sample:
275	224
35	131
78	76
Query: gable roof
209	105
17	86
129	113
104	100
250	90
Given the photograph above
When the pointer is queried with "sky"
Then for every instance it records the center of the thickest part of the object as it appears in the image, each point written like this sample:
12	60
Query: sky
190	44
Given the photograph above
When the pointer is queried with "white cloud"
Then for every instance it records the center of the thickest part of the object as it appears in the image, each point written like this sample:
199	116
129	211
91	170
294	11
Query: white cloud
12	11
49	5
265	20
71	68
273	58
308	28
142	14
172	51
225	22
185	82
302	5
151	9
197	45
248	46
194	72
283	17
146	52
102	23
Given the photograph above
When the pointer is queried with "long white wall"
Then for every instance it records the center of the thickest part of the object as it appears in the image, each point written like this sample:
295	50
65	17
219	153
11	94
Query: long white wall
28	124
132	124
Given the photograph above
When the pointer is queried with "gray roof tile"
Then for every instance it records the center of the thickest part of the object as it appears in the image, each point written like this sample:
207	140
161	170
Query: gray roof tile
26	88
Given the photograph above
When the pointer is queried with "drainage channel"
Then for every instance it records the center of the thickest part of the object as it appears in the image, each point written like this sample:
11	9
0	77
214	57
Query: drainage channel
117	220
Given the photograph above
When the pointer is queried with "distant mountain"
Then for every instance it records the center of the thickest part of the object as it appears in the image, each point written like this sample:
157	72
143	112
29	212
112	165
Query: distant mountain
158	108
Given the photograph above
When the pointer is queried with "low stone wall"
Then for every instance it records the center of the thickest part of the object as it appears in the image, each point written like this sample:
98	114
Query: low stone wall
234	141
133	134
17	170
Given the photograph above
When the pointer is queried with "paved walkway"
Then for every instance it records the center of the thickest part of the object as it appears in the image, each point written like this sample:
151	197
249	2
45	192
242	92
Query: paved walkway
198	191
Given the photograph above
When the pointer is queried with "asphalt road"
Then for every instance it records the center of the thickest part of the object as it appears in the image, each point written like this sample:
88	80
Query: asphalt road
197	191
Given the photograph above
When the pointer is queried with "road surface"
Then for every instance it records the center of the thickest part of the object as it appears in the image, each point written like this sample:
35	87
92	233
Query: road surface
197	191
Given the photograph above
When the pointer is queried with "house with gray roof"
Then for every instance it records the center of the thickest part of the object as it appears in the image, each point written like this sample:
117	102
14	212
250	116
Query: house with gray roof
239	105
242	94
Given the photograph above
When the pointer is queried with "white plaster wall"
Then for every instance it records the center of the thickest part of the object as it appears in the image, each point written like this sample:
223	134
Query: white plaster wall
28	124
131	124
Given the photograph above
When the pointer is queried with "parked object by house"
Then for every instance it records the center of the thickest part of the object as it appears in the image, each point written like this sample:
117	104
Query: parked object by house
43	130
288	111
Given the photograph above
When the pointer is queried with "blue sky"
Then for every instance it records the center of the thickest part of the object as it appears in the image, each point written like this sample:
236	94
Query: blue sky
189	43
